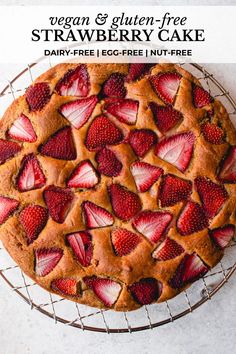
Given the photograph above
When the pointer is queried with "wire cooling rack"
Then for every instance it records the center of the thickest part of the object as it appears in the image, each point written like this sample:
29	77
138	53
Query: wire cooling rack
88	318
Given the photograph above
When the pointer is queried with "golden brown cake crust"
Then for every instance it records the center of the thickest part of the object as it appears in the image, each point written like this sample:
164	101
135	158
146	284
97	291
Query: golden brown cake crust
105	263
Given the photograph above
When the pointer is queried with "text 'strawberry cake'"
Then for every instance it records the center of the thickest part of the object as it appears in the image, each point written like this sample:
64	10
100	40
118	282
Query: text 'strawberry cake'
117	182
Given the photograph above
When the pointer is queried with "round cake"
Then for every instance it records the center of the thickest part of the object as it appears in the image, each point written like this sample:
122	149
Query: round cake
117	182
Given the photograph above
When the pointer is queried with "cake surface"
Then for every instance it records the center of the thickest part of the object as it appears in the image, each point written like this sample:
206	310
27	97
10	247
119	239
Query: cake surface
117	182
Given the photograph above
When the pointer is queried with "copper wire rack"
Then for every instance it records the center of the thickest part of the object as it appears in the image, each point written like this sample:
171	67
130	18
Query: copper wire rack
88	318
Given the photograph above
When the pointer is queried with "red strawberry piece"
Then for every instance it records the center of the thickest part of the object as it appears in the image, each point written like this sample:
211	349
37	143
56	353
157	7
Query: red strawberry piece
146	290
137	70
37	96
201	97
46	260
22	130
165	117
142	140
74	83
65	286
58	201
227	172
31	175
177	149
81	244
152	224
212	133
222	235
173	190
125	203
7	207
106	290
212	195
60	145
108	163
168	249
33	218
102	132
125	110
145	175
96	216
124	241
8	149
166	85
192	219
79	111
114	86
83	176
190	269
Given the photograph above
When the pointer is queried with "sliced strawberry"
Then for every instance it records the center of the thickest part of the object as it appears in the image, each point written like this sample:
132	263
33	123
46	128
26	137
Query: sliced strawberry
96	216
74	83
212	133
102	132
38	95
22	130
33	218
201	97
108	163
173	190
168	249
142	140
227	172
212	195
114	86
8	149
152	224
125	110
65	286
222	235
106	290
145	175
58	201
79	111
192	219
146	290
177	149
190	269
166	85
7	207
83	176
125	203
60	145
124	241
46	260
30	175
81	244
137	70
165	117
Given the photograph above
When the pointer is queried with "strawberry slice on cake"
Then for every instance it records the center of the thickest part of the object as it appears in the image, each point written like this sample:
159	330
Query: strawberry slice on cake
124	241
7	207
106	290
145	175
78	112
46	260
30	175
22	130
82	247
125	110
83	176
166	85
177	149
96	216
146	290
227	171
74	83
38	95
152	224
66	286
190	269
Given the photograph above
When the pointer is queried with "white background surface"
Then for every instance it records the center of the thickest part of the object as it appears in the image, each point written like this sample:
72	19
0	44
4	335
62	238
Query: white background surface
210	329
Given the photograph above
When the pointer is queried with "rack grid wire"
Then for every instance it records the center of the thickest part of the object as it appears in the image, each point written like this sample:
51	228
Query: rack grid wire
88	318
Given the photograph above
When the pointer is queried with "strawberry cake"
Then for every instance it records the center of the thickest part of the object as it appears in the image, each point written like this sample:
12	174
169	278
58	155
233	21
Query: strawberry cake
117	182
